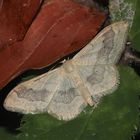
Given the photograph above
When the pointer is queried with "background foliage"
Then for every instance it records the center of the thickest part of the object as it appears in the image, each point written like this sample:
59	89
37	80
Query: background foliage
116	117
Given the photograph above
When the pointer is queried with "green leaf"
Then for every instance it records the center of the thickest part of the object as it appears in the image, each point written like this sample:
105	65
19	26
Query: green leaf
7	135
135	30
122	10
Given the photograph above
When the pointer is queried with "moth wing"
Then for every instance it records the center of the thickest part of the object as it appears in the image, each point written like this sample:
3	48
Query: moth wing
96	62
67	103
33	96
53	92
106	47
99	79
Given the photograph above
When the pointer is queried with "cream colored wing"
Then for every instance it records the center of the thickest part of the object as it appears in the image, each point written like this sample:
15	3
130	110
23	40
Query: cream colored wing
53	92
99	79
96	62
67	103
106	47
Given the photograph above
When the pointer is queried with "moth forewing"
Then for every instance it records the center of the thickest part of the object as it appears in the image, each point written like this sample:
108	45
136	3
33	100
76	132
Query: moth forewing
34	95
110	42
65	91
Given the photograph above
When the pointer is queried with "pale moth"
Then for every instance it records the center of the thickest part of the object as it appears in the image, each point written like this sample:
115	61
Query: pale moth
65	91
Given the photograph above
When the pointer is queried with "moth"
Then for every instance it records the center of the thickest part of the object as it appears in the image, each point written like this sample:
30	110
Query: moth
65	91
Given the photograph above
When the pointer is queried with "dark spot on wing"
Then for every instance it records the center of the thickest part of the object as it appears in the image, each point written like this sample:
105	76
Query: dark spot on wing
97	75
65	97
32	95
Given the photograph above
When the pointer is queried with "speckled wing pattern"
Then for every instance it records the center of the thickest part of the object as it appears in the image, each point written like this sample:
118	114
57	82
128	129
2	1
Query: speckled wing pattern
65	91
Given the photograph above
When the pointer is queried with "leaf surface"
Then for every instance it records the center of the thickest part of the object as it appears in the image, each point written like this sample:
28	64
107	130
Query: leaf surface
60	28
15	18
